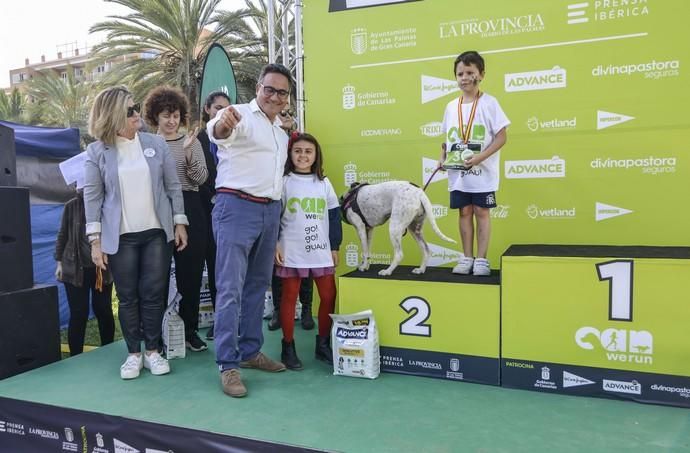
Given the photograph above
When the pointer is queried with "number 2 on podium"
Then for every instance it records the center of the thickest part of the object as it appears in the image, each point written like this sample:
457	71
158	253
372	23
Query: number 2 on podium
419	311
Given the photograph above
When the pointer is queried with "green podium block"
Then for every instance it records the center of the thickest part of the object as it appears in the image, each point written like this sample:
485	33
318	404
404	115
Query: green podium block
598	321
437	324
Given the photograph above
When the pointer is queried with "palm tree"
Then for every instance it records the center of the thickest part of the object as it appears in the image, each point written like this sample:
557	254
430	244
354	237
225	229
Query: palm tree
12	106
162	41
59	101
247	44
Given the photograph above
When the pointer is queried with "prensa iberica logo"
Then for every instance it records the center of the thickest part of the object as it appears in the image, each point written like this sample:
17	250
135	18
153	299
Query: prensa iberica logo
606	11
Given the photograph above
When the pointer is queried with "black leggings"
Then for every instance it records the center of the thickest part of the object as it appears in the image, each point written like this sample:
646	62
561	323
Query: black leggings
78	300
189	263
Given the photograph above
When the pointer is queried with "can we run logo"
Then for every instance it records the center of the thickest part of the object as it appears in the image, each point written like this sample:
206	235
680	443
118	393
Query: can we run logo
619	345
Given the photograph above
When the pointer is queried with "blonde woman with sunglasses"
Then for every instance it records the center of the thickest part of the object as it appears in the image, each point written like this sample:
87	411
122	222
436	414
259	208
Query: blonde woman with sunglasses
134	213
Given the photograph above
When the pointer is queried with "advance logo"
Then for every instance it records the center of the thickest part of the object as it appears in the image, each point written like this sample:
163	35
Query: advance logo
606	211
536	80
434	88
632	387
608	119
527	169
573	380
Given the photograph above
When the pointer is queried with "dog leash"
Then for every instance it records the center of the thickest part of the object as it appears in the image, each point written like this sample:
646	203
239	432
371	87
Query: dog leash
430	178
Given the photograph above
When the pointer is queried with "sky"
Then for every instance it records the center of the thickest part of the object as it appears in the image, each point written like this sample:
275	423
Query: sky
31	28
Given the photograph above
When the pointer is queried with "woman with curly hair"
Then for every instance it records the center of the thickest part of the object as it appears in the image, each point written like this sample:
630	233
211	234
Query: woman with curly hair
166	109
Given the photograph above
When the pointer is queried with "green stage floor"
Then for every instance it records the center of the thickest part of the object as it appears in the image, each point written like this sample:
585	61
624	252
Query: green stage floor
313	408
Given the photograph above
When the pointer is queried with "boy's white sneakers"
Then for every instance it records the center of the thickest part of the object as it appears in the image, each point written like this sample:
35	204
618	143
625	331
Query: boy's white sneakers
464	265
132	366
156	364
481	267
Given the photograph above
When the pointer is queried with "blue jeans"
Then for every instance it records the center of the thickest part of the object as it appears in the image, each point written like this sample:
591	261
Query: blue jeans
140	271
246	233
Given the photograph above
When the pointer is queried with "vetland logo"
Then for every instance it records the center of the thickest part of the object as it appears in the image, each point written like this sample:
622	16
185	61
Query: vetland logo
632	387
606	10
573	380
619	345
432	129
352	99
649	70
435	87
546	79
605	211
493	27
608	119
440	255
526	169
535	212
534	124
652	165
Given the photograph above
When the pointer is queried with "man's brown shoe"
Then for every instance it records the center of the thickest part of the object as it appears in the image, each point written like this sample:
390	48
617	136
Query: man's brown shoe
232	383
261	362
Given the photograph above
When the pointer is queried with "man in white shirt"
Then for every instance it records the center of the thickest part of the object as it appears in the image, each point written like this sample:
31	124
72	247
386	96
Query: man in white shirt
252	148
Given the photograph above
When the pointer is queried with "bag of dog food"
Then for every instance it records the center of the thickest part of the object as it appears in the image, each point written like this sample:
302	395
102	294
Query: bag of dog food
355	342
173	330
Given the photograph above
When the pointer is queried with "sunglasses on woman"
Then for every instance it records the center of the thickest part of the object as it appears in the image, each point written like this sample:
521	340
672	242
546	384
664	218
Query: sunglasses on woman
132	109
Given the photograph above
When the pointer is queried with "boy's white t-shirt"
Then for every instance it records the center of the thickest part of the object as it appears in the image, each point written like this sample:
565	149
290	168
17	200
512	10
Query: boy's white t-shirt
489	119
304	223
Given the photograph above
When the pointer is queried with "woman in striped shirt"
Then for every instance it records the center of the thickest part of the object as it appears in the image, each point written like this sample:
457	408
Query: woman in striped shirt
167	109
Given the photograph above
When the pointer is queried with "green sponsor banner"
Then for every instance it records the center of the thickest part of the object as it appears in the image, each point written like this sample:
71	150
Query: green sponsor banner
218	75
598	149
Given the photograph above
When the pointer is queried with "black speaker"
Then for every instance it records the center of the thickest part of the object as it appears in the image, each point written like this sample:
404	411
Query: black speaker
16	261
8	157
29	329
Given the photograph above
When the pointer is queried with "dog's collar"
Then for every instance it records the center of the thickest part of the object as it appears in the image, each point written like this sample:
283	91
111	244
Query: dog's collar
350	202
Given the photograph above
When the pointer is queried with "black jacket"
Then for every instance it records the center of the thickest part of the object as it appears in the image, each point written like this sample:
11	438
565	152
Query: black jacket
72	247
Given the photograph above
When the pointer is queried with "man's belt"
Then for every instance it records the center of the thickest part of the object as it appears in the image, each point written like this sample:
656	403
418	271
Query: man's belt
245	195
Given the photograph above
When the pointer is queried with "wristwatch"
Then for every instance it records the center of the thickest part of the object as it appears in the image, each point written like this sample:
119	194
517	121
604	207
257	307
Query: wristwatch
93	237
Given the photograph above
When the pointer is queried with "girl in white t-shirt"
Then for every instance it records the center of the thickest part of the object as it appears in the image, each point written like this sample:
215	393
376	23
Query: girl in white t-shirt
310	236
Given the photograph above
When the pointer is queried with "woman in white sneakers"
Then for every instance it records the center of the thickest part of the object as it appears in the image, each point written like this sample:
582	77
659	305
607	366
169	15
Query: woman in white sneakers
134	212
